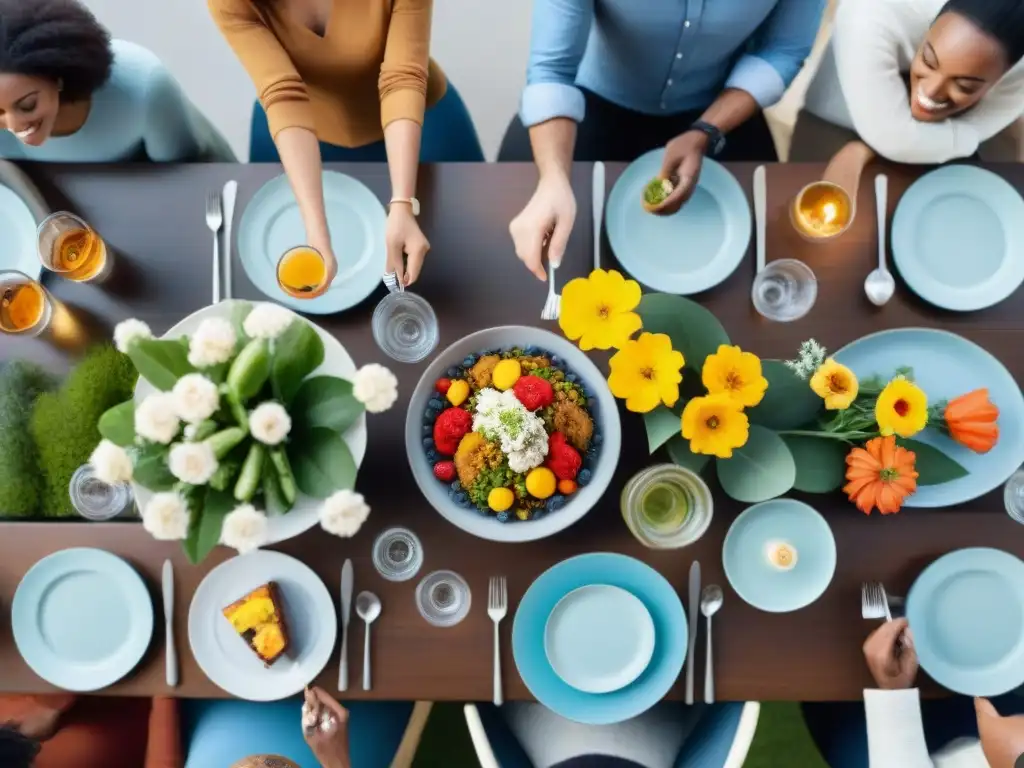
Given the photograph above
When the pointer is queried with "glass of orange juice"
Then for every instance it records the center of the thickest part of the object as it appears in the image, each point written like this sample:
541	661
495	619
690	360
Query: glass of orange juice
72	249
25	306
302	272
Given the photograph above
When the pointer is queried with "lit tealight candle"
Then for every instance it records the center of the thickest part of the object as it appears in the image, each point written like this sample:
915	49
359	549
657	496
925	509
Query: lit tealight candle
822	210
781	555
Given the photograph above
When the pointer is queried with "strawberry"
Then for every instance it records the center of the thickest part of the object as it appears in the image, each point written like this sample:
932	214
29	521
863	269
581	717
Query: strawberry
445	471
443	385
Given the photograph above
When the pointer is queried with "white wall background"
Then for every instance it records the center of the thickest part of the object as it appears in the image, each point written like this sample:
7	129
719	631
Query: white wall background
481	45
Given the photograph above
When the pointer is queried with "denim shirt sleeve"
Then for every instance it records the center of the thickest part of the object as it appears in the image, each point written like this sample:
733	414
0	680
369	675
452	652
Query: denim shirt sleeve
778	50
558	40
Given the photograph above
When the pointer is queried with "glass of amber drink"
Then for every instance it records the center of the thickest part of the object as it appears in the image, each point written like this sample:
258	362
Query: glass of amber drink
72	249
25	307
302	272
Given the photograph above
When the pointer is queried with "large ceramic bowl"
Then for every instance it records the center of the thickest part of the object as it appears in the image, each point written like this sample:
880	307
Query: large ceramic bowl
604	412
337	362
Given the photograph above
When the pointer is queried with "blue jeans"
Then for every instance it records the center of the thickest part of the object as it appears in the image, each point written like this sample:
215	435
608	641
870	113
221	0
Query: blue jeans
449	136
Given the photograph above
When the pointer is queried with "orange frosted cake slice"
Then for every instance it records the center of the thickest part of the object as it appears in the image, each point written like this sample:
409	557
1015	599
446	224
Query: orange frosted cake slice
259	620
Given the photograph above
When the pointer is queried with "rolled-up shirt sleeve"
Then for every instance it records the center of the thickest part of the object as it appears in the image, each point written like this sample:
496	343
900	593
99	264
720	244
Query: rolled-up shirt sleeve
558	40
403	75
778	50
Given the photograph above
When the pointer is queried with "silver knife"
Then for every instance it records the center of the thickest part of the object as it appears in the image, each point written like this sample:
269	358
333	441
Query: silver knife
346	613
171	656
760	216
230	195
694	608
598	210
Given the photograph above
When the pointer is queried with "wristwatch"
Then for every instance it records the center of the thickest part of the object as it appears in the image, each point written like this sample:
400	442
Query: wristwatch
412	202
716	139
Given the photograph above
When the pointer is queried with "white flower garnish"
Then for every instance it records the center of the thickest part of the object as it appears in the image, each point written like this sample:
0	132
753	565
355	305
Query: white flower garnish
156	419
244	529
195	398
375	387
267	321
128	331
111	463
192	463
269	423
809	359
500	416
166	517
343	513
213	343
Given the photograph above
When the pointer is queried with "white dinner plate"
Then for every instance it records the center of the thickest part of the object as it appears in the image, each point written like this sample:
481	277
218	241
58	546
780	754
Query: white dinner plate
224	656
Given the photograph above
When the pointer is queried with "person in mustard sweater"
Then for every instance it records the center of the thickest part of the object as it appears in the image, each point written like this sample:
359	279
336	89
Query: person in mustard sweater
349	80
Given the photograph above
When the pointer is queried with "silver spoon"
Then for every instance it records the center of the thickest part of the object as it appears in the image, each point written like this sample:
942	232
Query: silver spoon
879	285
710	601
367	609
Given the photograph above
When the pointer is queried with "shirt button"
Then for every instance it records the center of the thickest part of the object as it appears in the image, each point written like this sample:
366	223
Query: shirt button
686	23
679	55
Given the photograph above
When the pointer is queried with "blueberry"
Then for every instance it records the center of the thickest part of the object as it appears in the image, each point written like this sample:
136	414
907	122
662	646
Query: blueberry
462	499
433	456
428	429
430	415
598	438
469	361
592	452
555	503
451	494
583	477
531	350
436	403
572	378
456	486
538	512
503	516
452	373
592	403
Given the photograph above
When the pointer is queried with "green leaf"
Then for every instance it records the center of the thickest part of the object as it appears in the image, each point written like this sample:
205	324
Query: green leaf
325	401
789	402
161	362
207	521
274	497
662	425
694	330
239	311
297	353
760	470
932	465
118	424
151	470
322	463
820	462
680	453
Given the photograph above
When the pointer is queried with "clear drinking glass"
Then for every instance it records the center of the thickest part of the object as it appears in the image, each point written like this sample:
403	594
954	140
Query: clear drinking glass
95	500
443	598
397	554
667	506
72	249
785	290
405	326
1013	496
25	307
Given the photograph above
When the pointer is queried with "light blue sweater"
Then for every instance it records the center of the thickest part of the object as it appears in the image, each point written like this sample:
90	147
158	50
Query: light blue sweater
140	113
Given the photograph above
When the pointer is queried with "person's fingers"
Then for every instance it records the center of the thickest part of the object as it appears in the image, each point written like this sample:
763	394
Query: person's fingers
396	258
414	264
559	240
887	634
529	243
331	704
984	708
670	163
685	181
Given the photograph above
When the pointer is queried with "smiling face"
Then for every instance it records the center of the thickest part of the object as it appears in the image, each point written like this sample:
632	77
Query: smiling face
28	107
954	68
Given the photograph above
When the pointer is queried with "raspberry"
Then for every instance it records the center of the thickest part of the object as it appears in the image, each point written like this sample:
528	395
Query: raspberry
445	471
534	392
442	385
563	459
449	429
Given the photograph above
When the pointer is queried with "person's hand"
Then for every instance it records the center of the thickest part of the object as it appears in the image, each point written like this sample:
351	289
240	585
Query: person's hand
684	156
1002	738
404	237
889	652
547	218
325	728
323	247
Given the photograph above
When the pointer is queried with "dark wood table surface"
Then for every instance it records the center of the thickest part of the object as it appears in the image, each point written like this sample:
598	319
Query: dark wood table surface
153	217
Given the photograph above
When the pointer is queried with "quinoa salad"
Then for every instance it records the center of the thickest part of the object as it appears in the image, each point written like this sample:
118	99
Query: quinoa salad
511	433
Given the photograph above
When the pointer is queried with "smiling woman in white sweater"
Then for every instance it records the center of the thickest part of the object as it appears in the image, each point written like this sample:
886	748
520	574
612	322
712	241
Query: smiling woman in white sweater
919	81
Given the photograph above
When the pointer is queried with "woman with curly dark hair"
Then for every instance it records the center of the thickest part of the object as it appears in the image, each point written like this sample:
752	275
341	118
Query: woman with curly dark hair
69	93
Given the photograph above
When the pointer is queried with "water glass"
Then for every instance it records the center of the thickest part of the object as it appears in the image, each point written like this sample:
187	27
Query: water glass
25	307
94	499
443	598
405	326
1013	496
667	506
397	554
72	249
785	290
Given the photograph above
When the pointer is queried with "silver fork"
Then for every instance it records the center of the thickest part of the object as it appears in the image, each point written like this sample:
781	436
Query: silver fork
497	608
215	220
874	603
553	305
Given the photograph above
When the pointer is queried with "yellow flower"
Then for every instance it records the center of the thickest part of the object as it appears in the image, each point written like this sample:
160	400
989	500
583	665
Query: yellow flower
835	384
902	408
598	310
733	372
645	372
715	424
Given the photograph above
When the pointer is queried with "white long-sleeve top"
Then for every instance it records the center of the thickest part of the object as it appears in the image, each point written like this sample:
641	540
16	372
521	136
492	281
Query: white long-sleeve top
896	735
860	84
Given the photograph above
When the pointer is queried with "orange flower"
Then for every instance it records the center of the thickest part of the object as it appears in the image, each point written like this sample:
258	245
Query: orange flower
881	474
971	421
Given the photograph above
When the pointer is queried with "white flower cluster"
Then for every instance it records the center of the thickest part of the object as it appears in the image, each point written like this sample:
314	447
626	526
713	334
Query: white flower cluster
111	463
156	418
195	398
500	416
270	423
375	387
267	321
128	331
343	513
192	463
810	358
245	529
213	343
166	517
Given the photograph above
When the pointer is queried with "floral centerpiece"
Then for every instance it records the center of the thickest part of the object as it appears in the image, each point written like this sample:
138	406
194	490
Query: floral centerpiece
238	429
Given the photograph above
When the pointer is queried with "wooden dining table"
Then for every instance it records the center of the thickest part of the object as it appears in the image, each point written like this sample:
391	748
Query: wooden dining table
153	218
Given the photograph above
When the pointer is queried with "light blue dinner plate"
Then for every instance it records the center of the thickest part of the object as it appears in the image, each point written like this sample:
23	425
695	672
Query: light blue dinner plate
690	251
658	597
945	366
745	555
966	611
271	225
958	236
17	235
82	619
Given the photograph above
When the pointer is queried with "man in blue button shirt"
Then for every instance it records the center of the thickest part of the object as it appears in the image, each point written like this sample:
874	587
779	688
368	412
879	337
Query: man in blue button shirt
689	75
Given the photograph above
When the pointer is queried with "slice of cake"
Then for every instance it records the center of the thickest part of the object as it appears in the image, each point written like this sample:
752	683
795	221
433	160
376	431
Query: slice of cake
258	618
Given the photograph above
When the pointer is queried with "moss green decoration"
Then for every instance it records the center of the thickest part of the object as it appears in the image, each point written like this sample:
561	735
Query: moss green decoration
21	485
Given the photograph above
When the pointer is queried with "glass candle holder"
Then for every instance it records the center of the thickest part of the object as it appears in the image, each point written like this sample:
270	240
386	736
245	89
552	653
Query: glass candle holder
822	211
667	506
73	249
26	308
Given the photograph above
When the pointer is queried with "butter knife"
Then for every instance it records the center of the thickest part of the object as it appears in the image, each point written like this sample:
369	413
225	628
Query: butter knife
170	655
598	210
230	195
761	216
694	608
346	613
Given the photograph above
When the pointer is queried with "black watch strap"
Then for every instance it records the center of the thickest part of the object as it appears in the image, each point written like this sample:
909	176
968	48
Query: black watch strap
716	139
